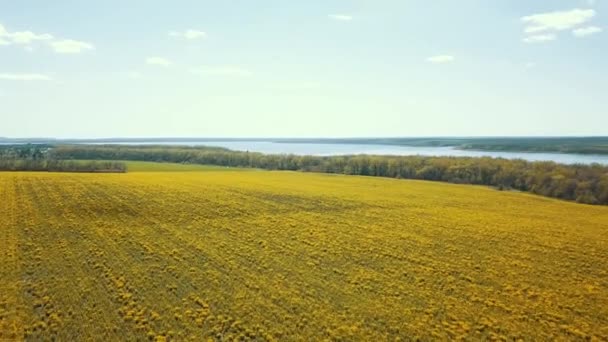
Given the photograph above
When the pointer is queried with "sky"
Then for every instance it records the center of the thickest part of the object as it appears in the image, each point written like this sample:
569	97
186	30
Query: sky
315	68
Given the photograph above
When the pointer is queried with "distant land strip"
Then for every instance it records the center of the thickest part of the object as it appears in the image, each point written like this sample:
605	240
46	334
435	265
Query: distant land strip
578	145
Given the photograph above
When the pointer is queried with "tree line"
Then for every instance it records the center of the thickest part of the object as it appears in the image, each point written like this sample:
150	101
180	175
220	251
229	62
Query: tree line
38	158
581	183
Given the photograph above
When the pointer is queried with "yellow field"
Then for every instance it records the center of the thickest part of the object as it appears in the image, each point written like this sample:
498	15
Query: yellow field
293	256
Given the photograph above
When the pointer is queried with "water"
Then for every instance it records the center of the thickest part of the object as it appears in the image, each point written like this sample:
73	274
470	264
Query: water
349	149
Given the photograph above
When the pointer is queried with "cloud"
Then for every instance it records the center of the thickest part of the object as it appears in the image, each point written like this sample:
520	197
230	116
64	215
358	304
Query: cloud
441	59
22	37
222	71
28	38
71	46
188	34
530	65
540	38
3	34
586	31
25	77
557	21
160	61
341	17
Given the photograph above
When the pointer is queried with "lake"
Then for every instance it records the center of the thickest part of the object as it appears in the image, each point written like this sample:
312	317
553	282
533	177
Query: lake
349	149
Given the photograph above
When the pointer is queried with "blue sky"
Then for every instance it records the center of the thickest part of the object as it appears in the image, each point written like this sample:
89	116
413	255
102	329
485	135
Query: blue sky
313	68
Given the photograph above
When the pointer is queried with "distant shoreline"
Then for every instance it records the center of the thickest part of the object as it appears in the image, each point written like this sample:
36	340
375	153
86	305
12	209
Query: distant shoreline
568	145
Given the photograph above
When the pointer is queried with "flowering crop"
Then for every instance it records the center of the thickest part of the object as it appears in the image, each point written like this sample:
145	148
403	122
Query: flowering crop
292	256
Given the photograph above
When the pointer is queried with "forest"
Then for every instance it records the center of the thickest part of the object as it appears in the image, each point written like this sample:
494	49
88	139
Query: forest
38	158
581	183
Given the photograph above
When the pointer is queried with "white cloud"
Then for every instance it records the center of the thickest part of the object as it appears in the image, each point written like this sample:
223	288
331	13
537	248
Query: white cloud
222	71
25	77
22	37
188	34
540	38
557	21
586	31
160	61
3	34
341	17
71	46
441	59
28	38
530	65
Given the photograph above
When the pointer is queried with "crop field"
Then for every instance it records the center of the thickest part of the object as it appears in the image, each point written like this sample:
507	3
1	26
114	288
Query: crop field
142	166
145	166
289	256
